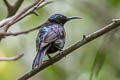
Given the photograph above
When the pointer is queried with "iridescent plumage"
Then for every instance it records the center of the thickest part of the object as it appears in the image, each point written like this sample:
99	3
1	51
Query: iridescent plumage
51	37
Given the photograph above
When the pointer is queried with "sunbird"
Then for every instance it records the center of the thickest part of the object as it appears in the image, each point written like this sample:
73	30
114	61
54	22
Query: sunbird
51	37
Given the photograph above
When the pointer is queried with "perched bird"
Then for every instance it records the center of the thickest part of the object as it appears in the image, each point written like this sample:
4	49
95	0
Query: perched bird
51	37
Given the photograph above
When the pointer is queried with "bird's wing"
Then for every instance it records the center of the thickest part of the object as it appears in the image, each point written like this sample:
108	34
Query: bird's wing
47	35
52	34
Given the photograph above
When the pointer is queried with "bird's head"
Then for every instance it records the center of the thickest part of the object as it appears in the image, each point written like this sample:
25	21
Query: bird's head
61	19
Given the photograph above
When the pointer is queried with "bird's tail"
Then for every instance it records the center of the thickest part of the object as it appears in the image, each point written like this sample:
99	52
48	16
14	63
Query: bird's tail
39	57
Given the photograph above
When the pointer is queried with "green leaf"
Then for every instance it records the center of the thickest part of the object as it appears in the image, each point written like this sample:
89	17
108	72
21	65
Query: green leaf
97	65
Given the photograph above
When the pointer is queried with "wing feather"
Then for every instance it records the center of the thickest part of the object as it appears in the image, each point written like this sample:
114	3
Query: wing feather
47	35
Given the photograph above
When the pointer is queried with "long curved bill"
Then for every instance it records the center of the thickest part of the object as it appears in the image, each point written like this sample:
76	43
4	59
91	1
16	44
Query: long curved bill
73	17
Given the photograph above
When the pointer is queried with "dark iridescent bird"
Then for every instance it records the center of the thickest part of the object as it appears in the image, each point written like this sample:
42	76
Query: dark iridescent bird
51	37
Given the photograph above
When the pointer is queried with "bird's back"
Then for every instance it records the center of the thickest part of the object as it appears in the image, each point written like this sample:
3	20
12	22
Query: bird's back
50	33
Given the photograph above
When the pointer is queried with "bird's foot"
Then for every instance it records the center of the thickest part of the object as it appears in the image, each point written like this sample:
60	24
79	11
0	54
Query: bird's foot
60	51
49	56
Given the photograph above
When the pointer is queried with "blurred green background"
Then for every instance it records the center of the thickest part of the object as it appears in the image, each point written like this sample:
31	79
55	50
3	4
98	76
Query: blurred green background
97	60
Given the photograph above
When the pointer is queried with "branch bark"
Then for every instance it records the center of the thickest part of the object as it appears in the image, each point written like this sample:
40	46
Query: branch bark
12	9
6	3
23	13
33	7
12	58
19	33
114	24
8	22
28	10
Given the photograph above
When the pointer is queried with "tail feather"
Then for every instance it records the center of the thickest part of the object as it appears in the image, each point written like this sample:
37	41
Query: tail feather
39	58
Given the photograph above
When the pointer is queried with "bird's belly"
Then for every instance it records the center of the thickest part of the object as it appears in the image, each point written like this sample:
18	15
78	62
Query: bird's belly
57	45
52	49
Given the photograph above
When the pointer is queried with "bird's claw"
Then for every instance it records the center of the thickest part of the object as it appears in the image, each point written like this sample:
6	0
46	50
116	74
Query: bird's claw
60	51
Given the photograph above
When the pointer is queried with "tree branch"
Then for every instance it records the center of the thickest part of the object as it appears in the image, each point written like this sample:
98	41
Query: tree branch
33	10
24	13
4	22
10	21
12	9
12	58
75	46
33	7
19	33
6	3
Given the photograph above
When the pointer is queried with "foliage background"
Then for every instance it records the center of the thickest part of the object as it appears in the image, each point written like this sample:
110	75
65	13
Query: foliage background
99	58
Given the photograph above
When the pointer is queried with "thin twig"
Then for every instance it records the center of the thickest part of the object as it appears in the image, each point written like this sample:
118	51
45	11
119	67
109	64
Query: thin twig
6	21
30	11
22	12
35	5
19	33
3	34
12	58
75	46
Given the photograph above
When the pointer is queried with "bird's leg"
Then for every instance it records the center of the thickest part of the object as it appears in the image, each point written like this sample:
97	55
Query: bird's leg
60	50
49	56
